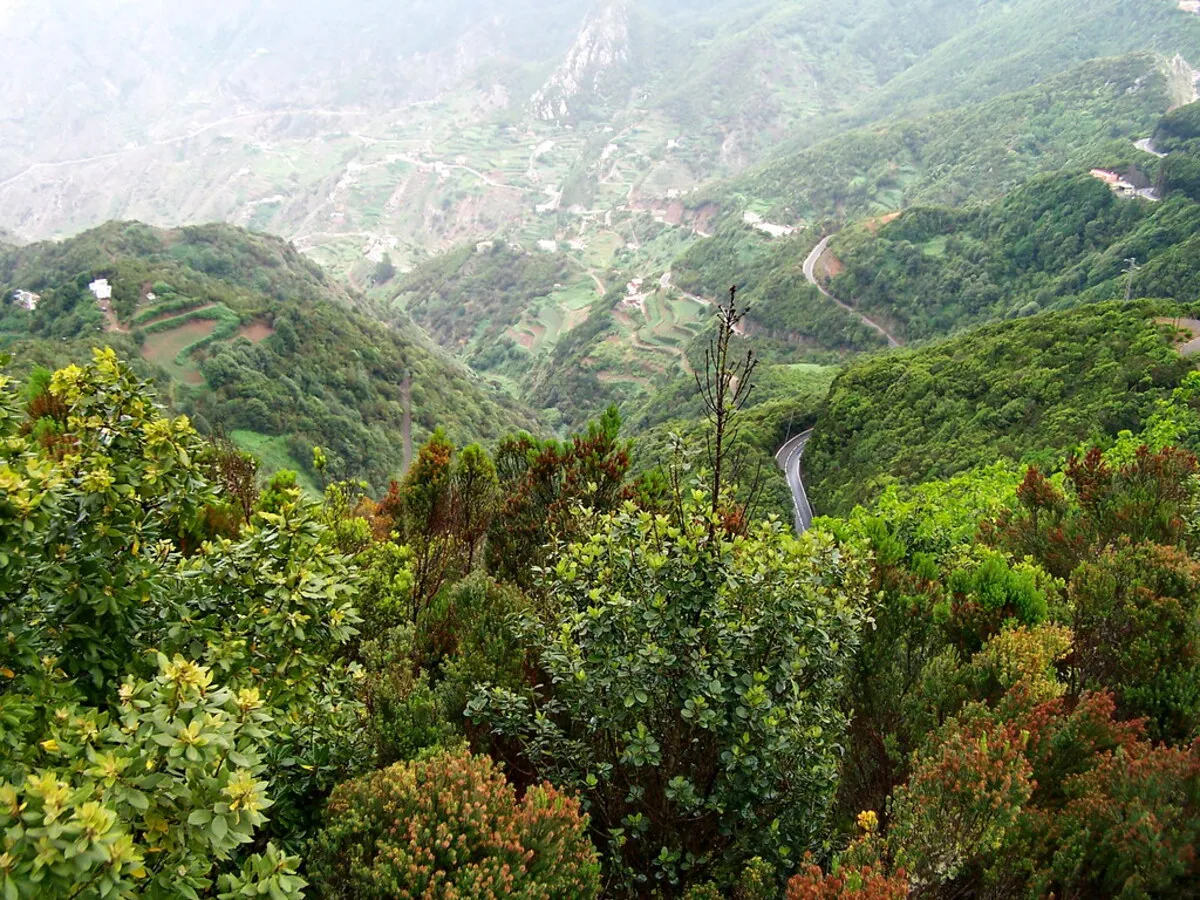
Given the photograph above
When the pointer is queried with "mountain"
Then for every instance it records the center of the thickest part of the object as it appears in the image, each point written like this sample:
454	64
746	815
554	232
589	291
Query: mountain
564	190
1023	391
251	338
1091	113
410	127
1060	240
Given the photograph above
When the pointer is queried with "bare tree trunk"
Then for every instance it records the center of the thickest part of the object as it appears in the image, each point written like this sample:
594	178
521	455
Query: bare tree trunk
724	390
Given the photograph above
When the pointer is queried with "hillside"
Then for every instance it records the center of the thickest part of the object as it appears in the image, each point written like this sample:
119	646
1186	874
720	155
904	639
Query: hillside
593	148
1059	240
229	688
1020	391
1090	114
670	450
418	125
247	336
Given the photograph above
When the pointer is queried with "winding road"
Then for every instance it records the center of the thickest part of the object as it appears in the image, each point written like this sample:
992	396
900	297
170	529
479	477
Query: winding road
788	458
810	272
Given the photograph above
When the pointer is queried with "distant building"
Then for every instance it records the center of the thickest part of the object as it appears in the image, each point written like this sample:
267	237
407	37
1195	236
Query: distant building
101	289
1115	181
1192	6
26	299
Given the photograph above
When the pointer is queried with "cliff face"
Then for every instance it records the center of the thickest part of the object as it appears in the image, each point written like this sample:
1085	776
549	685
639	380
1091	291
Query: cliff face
601	48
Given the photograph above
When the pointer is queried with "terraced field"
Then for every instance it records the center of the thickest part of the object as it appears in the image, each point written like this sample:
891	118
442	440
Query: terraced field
163	348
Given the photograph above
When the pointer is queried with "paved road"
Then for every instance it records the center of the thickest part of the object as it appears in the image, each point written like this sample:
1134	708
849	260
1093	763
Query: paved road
1146	145
810	272
788	458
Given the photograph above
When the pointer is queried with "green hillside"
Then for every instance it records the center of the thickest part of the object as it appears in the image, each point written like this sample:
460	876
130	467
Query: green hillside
1025	42
1088	115
247	336
1059	240
1022	390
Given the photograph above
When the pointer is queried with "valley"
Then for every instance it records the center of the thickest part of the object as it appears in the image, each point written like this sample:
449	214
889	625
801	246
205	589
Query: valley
600	449
596	142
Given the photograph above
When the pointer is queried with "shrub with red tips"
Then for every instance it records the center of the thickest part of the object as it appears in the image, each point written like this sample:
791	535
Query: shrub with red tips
452	826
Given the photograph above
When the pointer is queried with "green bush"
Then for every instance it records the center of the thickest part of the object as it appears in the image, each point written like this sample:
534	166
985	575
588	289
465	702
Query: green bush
451	826
691	690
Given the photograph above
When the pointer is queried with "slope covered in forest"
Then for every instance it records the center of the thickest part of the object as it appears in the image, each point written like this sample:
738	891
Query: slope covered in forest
1059	240
248	336
1025	390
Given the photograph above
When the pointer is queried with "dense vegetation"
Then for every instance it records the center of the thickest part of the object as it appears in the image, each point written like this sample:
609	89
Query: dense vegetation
785	402
315	370
1005	391
469	297
1087	116
253	643
530	674
788	316
1058	241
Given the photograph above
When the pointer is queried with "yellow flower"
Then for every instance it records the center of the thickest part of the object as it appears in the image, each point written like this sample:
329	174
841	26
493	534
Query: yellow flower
50	746
97	480
96	820
52	792
245	793
868	821
248	699
187	674
65	383
191	735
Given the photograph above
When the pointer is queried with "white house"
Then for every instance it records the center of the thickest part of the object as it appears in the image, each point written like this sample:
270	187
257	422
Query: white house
26	299
101	289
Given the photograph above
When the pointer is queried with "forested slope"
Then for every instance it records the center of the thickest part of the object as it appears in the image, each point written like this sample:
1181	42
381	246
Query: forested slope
1059	240
1007	391
246	335
1088	115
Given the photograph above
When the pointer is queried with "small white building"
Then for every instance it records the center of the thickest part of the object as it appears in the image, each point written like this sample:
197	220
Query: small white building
101	289
26	299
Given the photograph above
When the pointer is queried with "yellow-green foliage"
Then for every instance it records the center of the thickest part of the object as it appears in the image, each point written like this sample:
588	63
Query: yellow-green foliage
451	826
157	669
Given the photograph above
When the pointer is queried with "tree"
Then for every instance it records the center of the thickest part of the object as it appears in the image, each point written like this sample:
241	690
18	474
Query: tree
689	691
725	389
385	270
544	484
428	517
157	703
477	494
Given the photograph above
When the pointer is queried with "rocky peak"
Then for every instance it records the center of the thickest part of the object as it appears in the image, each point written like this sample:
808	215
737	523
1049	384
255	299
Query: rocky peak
602	45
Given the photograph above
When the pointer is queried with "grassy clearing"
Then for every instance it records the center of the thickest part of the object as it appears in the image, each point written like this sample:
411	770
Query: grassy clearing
552	320
256	331
602	248
936	247
273	454
163	348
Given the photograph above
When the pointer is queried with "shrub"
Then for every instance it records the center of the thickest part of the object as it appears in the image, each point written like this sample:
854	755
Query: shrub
1130	828
451	826
406	717
967	793
692	690
847	884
